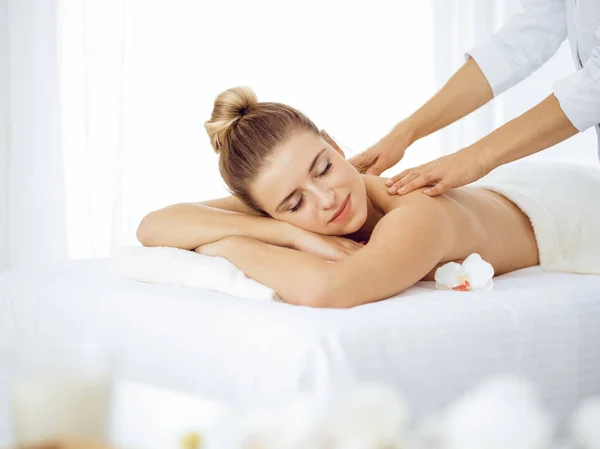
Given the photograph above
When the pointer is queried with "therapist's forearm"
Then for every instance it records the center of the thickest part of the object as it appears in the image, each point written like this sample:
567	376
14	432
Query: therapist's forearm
539	128
466	91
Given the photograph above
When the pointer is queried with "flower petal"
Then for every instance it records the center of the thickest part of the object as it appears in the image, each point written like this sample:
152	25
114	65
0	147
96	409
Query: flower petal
449	275
584	423
477	271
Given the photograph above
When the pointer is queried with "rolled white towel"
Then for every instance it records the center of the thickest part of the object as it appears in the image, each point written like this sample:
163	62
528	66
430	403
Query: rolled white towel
174	266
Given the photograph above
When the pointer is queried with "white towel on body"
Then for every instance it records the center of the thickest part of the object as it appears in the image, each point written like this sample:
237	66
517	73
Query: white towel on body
562	201
174	266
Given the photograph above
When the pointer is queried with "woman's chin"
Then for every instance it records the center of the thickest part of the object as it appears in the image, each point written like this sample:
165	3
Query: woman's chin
353	226
357	221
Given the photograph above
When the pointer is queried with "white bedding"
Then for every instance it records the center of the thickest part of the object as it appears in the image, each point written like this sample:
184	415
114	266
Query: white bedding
432	345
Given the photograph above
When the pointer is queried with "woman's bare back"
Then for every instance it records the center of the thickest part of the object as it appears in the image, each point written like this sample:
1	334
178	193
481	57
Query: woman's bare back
483	221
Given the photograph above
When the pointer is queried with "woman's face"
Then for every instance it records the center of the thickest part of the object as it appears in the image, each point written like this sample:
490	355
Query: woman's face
307	181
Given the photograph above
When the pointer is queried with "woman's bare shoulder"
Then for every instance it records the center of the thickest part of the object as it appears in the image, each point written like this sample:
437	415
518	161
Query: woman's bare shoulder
377	192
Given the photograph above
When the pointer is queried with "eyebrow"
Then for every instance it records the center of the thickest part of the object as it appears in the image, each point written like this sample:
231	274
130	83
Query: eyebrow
312	165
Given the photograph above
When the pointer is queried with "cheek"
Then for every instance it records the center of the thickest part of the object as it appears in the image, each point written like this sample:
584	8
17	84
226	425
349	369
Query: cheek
307	219
348	178
300	218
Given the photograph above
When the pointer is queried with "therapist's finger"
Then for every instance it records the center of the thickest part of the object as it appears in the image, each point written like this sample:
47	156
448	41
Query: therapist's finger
402	182
394	179
421	181
438	189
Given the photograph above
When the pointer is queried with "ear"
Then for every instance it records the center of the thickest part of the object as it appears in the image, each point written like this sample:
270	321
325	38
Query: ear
327	138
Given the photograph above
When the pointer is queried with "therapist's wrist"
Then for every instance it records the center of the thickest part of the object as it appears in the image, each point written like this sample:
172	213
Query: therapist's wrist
405	133
484	157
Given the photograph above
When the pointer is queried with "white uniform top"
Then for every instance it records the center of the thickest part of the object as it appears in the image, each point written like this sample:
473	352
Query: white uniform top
529	39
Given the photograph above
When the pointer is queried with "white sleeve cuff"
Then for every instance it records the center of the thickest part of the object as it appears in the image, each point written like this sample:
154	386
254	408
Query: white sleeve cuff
500	74
579	96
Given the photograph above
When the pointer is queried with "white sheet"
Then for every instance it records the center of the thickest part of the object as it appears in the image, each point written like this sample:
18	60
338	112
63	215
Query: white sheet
432	345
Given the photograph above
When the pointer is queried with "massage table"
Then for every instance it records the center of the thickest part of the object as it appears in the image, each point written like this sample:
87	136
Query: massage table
431	345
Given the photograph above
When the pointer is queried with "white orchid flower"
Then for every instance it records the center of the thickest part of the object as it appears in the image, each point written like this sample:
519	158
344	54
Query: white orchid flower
585	424
474	273
292	425
501	413
370	417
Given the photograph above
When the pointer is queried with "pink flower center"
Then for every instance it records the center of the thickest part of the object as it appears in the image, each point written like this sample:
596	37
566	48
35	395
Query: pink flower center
463	287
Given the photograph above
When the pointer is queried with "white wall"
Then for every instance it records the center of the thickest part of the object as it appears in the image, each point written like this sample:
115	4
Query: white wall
3	134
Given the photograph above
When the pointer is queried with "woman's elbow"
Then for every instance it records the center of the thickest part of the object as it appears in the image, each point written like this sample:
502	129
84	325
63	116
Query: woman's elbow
307	298
317	291
319	302
330	295
146	230
342	293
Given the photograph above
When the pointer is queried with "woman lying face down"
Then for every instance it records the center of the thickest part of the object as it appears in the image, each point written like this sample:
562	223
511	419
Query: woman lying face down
281	169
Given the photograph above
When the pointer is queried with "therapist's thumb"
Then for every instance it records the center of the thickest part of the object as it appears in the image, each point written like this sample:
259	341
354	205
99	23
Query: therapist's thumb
376	169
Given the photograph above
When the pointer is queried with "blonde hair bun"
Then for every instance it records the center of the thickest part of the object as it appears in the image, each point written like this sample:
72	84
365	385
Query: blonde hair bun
228	108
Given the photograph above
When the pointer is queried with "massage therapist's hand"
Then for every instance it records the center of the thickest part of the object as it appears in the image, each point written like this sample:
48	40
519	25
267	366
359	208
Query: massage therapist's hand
328	247
445	173
384	154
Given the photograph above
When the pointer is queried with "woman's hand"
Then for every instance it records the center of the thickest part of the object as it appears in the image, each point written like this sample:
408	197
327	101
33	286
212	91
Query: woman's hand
328	247
445	173
384	154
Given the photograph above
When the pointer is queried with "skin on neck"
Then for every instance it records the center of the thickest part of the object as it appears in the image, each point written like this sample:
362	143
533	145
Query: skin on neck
374	214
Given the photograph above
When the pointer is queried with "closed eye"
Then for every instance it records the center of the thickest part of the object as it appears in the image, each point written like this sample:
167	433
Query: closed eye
297	206
324	172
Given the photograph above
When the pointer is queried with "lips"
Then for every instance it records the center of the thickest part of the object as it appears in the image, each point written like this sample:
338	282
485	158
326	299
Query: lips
339	211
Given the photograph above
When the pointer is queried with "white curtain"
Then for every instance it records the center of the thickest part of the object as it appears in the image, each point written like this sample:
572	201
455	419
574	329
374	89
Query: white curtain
107	98
460	25
3	135
95	64
35	179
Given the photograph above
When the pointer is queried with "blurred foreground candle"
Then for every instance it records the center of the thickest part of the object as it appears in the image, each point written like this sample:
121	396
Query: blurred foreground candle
61	392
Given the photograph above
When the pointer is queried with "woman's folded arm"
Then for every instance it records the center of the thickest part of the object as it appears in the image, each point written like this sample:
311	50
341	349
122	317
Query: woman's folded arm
406	245
298	278
190	225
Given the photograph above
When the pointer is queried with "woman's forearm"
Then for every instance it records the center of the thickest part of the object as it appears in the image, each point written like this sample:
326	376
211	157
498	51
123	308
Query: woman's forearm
539	128
190	225
466	91
297	277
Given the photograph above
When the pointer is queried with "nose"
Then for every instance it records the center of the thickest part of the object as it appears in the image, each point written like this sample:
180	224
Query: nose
326	199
